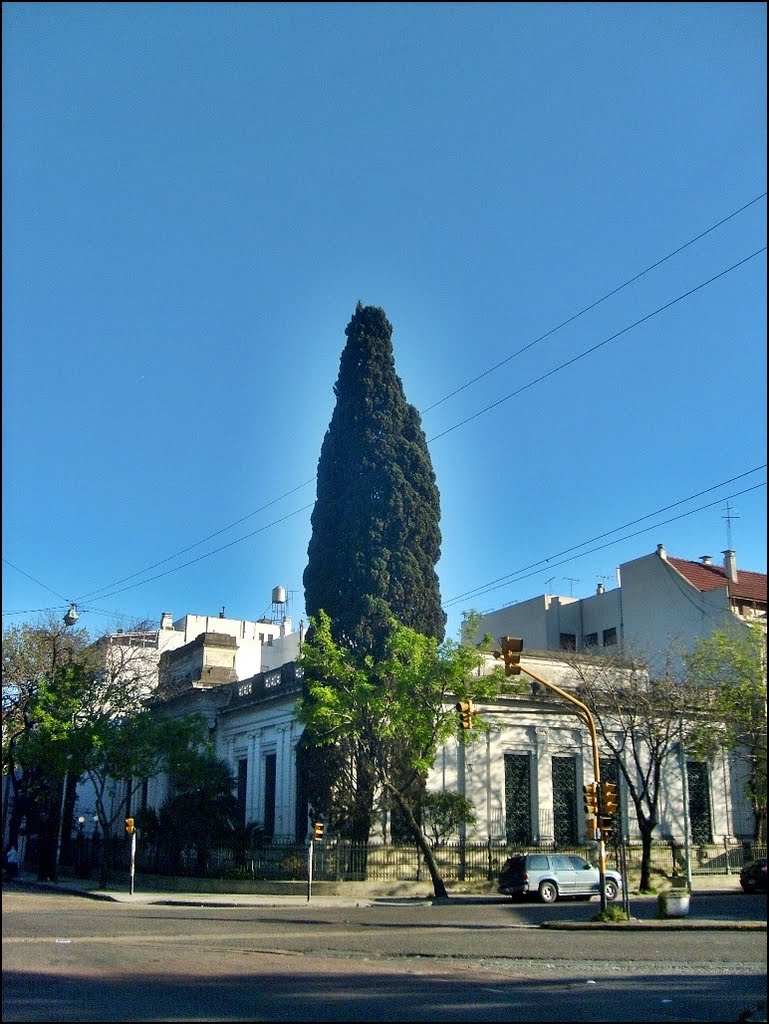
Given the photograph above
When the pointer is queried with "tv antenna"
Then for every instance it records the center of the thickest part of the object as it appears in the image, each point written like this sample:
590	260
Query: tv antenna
571	580
728	517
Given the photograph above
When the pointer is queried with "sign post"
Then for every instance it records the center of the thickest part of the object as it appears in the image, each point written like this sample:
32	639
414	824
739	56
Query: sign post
130	827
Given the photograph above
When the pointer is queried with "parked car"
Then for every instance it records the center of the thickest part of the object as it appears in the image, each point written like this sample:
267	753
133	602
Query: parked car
550	876
753	876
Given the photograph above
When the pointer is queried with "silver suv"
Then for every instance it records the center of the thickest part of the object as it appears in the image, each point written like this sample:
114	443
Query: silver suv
552	875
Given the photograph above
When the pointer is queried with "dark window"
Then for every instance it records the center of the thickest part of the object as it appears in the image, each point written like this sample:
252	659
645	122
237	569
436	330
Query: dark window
568	641
270	775
590	640
609	636
518	798
242	782
564	800
699	802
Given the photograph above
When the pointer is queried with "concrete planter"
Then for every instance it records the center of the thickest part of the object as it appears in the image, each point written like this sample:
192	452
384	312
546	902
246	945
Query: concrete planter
674	903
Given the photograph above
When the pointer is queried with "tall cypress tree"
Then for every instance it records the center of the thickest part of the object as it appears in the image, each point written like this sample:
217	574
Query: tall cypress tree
375	526
375	541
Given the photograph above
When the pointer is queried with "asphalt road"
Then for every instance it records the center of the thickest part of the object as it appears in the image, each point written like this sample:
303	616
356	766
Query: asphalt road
67	958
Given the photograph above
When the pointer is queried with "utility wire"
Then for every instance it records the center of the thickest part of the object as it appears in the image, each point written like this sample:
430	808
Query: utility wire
456	426
102	590
208	554
481	591
197	543
594	348
633	522
592	305
43	585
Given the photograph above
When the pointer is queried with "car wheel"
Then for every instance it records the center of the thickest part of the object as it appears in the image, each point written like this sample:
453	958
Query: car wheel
611	889
548	892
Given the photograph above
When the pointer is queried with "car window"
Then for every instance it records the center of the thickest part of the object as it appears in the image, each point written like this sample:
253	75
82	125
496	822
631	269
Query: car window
563	863
579	863
537	862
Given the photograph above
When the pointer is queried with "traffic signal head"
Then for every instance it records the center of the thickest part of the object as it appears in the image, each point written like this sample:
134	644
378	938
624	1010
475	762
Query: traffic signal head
590	791
610	804
317	830
607	825
465	709
130	826
511	652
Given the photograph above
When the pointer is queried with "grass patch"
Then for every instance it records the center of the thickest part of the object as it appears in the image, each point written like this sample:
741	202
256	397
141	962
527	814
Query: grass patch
611	914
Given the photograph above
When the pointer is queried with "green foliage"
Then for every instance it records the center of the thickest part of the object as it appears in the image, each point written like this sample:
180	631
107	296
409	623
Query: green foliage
375	525
443	812
729	669
394	712
610	914
404	701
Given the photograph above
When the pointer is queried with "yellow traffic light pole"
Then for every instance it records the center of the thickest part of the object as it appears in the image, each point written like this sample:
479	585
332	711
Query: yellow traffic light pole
511	648
584	710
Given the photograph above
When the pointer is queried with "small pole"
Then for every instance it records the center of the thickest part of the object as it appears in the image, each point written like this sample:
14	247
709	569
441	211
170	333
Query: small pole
133	862
310	848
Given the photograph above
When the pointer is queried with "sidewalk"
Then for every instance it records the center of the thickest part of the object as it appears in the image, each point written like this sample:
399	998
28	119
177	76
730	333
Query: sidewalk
89	889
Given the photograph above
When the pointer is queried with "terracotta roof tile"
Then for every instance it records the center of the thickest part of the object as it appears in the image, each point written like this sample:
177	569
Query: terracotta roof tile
750	586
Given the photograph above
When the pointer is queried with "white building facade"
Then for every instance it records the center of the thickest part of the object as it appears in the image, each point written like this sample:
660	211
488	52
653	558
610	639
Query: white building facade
660	608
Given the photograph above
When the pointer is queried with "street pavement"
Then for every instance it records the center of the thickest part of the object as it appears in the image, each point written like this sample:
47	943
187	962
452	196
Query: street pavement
701	885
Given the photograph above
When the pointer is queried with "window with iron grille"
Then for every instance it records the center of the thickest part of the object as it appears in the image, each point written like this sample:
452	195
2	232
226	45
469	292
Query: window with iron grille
699	802
242	780
518	798
564	800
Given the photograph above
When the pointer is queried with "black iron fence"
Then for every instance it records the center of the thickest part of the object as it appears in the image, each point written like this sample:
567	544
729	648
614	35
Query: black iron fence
340	860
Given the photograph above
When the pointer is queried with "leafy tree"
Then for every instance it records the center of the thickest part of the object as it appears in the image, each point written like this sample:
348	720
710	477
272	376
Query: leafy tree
395	711
91	725
80	713
443	813
375	533
33	654
730	666
202	809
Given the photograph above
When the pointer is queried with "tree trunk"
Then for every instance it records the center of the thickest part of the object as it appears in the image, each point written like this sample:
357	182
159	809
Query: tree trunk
646	829
439	887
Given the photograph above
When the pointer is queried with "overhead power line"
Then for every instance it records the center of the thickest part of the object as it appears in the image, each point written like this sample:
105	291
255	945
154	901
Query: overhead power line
103	590
586	309
591	540
549	564
596	347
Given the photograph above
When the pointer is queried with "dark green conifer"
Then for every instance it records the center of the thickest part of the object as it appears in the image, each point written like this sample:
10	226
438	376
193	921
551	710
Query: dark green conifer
375	543
375	527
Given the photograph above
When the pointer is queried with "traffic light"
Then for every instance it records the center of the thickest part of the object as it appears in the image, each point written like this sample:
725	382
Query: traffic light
609	808
591	799
511	652
610	804
465	709
607	825
130	826
317	830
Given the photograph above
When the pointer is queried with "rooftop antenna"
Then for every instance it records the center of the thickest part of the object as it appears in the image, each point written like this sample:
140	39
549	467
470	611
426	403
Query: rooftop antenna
571	580
548	582
728	517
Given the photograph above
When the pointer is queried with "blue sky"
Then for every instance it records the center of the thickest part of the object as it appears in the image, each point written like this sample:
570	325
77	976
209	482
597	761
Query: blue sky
195	197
